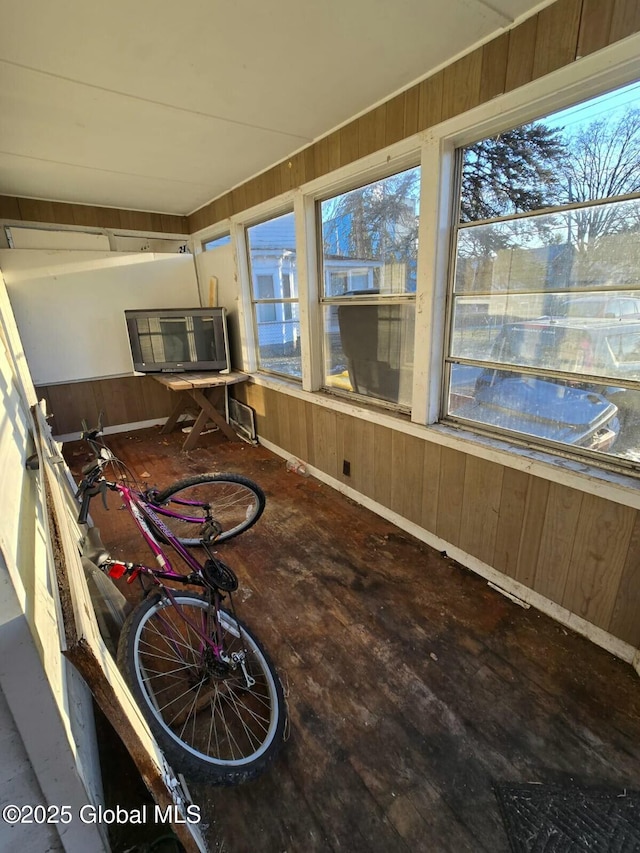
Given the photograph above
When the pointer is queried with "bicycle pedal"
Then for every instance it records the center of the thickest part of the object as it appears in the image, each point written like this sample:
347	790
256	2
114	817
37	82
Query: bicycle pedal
217	574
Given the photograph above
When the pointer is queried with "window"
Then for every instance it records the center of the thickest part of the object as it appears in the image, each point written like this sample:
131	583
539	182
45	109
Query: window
274	292
369	252
216	242
544	329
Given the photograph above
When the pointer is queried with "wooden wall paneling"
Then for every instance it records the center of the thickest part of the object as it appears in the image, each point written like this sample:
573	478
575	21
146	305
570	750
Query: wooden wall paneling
311	443
531	534
510	519
171	224
135	220
70	404
480	508
430	101
333	148
431	467
345	448
271	421
625	618
298	432
407	454
9	207
285	439
33	210
268	184
522	48
201	218
349	143
263	402
595	26
493	72
238	199
120	400
598	559
253	192
355	444
371	131
625	19
92	217
382	464
461	85
325	436
557	541
411	108
364	439
557	36
321	156
158	400
394	119
450	494
310	163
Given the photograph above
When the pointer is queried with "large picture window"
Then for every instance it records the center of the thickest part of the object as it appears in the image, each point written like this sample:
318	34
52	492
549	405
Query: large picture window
544	329
368	283
274	289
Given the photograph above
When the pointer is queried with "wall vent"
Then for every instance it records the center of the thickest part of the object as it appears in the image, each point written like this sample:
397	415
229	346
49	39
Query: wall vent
242	418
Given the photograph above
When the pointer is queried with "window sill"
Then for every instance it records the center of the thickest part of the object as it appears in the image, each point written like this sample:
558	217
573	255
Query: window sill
609	484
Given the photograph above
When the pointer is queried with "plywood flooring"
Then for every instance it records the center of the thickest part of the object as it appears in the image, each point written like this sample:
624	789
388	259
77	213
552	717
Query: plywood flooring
412	685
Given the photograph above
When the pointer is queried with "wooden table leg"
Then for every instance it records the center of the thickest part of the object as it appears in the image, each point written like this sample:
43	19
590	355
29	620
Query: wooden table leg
178	409
196	429
207	406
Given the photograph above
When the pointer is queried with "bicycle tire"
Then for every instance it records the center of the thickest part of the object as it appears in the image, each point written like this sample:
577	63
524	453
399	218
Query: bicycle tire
236	504
230	732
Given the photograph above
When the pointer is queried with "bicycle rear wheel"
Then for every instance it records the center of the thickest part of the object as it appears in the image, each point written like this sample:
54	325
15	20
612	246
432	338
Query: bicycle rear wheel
233	502
222	723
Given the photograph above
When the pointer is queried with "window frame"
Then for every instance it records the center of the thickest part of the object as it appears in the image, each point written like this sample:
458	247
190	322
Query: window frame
269	213
408	156
456	152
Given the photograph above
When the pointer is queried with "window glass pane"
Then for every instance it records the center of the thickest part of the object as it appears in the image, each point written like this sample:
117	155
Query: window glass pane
217	242
279	338
369	349
272	260
537	407
370	238
583	153
581	247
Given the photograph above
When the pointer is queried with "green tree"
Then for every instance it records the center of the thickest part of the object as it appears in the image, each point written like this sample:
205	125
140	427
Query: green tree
513	172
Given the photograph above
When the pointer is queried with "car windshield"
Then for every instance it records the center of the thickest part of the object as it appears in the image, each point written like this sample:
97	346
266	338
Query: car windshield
583	308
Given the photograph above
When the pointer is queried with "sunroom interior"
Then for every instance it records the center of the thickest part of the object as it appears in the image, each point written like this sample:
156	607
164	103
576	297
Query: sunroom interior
400	362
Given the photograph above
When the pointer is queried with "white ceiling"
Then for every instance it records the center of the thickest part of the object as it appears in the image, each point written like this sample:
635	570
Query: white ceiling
152	105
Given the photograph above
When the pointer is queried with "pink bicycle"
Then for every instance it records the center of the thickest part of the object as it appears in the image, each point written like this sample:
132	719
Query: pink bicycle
202	679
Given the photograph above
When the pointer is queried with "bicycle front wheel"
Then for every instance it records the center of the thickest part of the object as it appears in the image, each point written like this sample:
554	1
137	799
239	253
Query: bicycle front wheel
233	504
221	722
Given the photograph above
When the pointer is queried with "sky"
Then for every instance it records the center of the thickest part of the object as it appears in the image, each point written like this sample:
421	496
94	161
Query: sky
611	104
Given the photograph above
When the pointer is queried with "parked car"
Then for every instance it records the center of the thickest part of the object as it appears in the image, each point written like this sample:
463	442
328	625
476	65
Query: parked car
620	306
541	408
583	346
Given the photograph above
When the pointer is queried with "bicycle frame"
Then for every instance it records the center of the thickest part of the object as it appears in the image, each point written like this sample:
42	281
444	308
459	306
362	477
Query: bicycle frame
142	514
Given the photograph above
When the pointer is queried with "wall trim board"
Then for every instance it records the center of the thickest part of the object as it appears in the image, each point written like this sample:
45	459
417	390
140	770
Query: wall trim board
117	428
609	484
498	581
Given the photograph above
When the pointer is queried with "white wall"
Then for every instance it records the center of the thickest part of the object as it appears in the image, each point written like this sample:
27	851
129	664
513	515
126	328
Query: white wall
69	306
218	264
50	704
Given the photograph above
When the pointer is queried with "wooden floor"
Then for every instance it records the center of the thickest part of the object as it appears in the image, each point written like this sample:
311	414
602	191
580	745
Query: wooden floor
412	686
